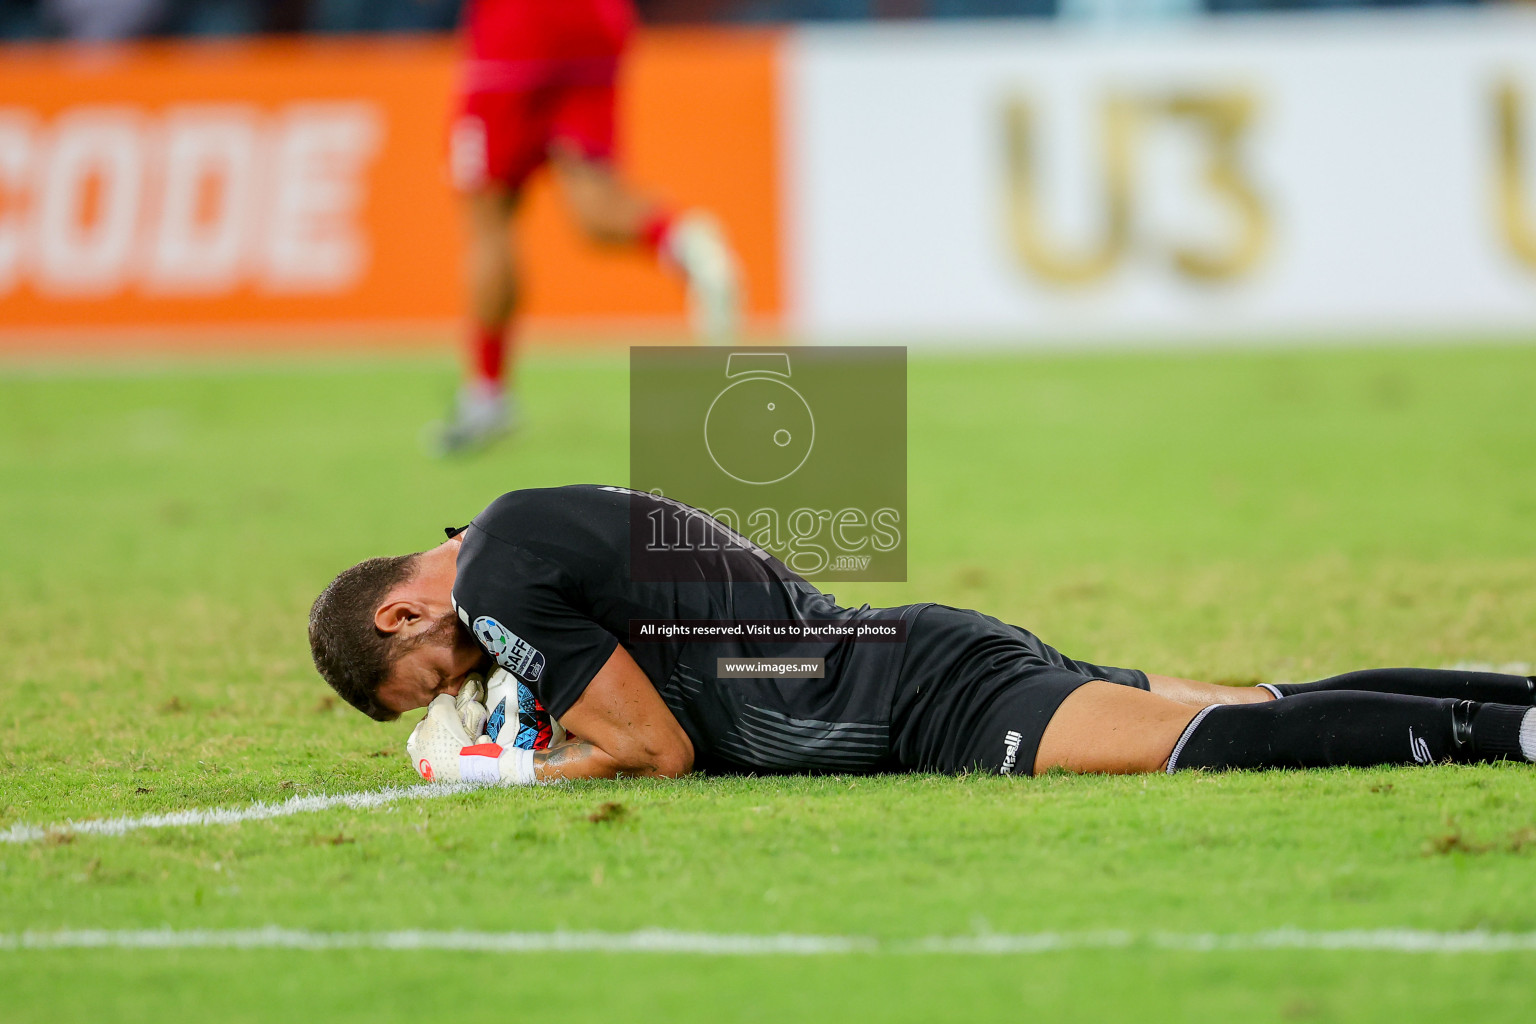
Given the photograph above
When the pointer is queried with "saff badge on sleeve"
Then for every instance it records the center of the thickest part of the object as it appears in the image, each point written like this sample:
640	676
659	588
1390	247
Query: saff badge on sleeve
511	651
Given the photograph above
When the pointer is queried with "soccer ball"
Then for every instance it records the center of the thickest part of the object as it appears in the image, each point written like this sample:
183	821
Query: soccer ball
517	718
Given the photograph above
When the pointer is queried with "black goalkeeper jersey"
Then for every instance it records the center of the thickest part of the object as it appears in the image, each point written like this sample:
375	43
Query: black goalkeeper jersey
544	582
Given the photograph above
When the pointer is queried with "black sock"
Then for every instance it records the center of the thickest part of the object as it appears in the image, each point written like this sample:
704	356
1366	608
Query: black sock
1488	687
1325	730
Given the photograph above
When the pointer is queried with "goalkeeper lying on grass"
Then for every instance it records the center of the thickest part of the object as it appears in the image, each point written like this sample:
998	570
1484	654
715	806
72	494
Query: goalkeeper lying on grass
539	584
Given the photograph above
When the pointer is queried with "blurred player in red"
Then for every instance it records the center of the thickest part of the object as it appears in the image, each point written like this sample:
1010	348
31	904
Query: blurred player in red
538	88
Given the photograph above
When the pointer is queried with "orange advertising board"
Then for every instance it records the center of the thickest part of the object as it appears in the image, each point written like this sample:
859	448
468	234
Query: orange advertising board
272	183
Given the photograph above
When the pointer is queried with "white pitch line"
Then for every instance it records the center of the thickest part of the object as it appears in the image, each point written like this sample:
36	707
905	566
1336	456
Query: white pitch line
655	940
259	811
365	799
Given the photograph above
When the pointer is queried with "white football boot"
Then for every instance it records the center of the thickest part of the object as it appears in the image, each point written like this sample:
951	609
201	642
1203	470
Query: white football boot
480	416
697	247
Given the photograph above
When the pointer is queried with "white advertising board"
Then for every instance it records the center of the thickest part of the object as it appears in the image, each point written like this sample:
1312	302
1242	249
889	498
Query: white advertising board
1236	178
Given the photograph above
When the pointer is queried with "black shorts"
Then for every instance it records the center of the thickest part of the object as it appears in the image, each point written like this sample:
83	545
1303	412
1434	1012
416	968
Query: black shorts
976	693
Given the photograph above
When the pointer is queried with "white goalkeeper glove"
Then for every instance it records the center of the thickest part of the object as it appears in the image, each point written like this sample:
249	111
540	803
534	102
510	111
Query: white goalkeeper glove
470	704
443	750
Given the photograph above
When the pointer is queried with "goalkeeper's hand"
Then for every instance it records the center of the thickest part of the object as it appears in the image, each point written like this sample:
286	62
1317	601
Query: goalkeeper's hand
470	704
443	749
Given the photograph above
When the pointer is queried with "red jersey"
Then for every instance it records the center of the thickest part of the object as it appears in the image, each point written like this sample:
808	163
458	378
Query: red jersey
547	29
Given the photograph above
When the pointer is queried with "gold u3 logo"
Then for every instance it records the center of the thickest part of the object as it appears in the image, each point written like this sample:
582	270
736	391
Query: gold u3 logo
1513	210
1222	120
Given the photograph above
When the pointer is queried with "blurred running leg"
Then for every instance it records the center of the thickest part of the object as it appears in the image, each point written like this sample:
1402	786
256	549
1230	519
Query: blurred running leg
691	243
484	408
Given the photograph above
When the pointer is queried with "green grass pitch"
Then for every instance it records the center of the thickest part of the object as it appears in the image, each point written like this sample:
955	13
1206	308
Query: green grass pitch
1237	517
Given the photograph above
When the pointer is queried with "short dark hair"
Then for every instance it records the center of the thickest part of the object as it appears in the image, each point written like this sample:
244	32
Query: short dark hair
350	651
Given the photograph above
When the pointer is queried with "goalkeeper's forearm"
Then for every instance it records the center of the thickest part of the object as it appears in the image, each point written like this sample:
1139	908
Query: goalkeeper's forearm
441	750
578	759
574	759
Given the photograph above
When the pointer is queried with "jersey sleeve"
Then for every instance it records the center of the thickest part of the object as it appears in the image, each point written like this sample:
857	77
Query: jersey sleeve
525	614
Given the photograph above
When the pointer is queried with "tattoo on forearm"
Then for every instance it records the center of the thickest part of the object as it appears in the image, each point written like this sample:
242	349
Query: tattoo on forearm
562	754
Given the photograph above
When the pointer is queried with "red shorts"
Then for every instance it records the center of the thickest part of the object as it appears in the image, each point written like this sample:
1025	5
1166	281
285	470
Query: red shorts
536	72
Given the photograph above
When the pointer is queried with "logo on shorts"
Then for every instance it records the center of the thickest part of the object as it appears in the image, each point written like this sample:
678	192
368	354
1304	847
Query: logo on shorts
1011	743
468	165
1419	747
511	651
424	768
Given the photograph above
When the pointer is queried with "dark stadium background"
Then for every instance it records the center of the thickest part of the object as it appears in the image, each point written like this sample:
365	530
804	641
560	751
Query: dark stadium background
31	19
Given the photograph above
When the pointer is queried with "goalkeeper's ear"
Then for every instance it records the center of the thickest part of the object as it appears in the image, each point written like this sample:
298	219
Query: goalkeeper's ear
403	616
